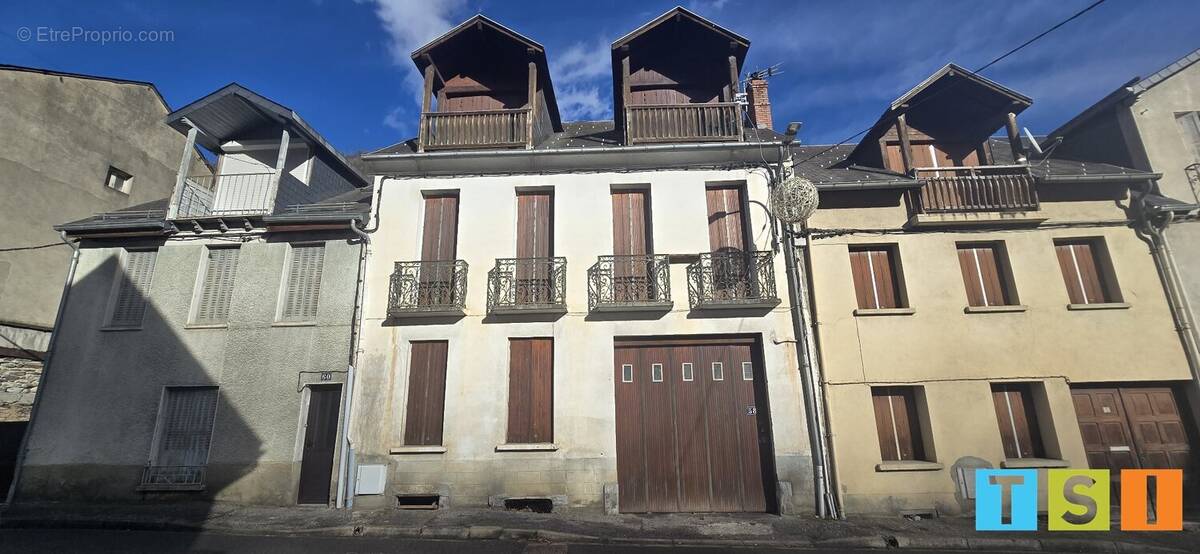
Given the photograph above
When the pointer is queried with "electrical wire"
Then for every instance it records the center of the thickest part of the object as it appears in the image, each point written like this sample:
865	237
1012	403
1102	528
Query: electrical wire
980	70
38	247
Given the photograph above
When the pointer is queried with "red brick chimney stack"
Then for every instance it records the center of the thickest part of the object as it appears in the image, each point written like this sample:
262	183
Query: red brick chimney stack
760	105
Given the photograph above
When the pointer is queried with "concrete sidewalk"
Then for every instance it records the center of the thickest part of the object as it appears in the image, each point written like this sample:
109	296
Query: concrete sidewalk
727	530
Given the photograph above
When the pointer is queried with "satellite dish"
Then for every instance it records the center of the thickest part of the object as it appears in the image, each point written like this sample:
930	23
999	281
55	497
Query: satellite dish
1033	142
794	200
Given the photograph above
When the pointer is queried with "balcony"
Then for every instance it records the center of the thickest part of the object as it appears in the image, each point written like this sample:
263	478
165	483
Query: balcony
997	188
630	283
527	286
226	195
731	280
477	129
173	478
428	289
716	121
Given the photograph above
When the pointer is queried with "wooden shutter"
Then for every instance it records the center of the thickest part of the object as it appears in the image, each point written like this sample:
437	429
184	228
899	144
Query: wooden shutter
726	221
1189	123
631	228
216	289
303	282
535	225
875	280
1084	280
426	393
897	423
439	239
982	275
130	304
1019	431
185	426
531	390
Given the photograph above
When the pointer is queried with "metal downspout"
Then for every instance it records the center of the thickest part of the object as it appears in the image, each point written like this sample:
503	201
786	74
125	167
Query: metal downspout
41	387
1175	294
345	500
811	409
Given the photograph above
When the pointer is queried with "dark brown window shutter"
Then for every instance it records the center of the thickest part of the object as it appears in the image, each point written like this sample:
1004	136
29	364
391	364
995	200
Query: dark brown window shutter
1081	273
1019	432
535	225
897	424
726	220
531	390
875	278
631	229
426	393
439	238
983	275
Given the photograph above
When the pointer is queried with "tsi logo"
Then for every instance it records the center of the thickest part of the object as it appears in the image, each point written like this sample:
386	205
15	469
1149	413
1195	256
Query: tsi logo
1078	499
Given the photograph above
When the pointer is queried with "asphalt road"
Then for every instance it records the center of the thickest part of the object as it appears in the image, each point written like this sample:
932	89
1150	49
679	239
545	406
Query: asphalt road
96	541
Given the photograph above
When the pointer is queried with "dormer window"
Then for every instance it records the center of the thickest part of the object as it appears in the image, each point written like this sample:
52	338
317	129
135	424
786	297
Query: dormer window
668	93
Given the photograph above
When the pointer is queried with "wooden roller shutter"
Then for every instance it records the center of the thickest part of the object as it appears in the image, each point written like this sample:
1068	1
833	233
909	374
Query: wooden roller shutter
216	289
426	393
531	390
303	283
130	304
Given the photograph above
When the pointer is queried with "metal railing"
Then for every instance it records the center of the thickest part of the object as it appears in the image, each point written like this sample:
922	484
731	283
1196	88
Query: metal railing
629	282
975	189
477	129
173	478
732	279
1193	177
232	194
683	122
527	284
428	288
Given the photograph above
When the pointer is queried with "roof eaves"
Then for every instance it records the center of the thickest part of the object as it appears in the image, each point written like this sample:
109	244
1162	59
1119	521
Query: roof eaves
952	69
1166	72
477	18
681	11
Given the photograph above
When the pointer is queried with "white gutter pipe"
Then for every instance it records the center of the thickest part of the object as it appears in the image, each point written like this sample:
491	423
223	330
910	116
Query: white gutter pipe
344	496
41	387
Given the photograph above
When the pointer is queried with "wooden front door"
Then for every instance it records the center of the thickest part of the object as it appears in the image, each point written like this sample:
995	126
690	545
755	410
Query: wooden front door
692	431
320	442
1131	427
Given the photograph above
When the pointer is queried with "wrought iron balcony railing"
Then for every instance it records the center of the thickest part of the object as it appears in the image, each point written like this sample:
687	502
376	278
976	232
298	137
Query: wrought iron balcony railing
629	283
527	285
715	121
428	289
984	188
173	478
475	129
732	279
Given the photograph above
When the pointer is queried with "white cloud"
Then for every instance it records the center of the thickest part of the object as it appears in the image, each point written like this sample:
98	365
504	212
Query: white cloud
581	62
398	119
583	103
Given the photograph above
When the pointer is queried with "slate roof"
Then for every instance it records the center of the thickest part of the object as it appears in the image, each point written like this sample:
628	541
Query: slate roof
1054	169
151	216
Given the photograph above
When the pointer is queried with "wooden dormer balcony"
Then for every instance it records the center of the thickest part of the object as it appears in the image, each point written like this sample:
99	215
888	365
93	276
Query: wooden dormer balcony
507	128
985	188
714	121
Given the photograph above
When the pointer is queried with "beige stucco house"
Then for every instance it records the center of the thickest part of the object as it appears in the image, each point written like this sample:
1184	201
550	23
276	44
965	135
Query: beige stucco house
993	308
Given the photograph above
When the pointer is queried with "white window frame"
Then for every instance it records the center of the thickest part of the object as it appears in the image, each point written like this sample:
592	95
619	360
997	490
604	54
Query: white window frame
626	373
687	371
656	373
718	371
281	296
747	371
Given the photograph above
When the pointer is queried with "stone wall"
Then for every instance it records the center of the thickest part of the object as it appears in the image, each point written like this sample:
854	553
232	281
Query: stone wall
18	385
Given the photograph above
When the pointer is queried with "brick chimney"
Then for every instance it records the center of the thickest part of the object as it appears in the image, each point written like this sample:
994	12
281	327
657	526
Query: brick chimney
760	105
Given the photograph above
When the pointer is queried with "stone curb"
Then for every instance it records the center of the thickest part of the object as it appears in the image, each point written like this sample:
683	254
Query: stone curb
480	532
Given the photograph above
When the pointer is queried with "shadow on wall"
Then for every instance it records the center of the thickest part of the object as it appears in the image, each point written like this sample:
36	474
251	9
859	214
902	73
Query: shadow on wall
133	417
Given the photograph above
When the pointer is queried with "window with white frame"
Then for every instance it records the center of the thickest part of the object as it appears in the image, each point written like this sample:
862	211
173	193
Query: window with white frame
182	437
132	288
216	286
302	284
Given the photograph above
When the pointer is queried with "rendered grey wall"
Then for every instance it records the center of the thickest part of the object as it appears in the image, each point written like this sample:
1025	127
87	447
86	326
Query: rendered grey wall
92	434
61	134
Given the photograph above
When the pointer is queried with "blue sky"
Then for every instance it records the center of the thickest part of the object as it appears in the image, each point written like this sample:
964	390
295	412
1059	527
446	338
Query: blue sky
343	64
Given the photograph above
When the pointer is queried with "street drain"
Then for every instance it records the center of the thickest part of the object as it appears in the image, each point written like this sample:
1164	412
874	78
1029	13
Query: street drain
417	501
538	505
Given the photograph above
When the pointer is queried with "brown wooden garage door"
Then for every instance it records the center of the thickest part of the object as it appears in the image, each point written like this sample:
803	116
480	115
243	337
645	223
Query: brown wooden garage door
692	431
1132	427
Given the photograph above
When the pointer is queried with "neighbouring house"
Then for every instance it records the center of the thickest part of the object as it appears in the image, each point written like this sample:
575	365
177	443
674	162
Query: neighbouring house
73	145
206	337
580	314
1153	124
991	308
